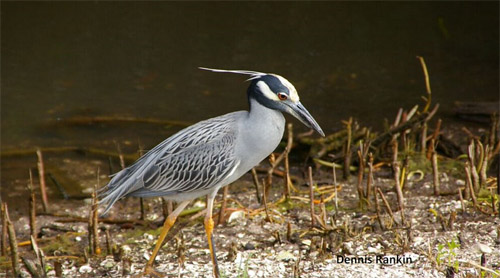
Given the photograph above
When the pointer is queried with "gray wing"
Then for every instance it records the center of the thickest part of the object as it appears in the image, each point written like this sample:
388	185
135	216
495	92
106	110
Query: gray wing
196	158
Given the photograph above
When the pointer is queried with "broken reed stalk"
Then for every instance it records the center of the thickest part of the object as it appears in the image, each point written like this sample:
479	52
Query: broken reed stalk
40	256
427	84
484	166
386	203
89	227
492	138
394	147
61	189
323	210
469	183
369	178
403	133
336	193
223	206
361	171
399	192
423	138
13	244
120	156
435	137
264	200
461	200
437	130
286	179
31	267
32	207
397	120
141	200
93	228
494	208
4	230
41	175
143	208
257	185
269	181
109	250
377	208
435	170
311	197
394	131
347	149
471	152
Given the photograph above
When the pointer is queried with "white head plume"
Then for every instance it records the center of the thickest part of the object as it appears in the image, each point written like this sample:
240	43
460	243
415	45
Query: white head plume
253	74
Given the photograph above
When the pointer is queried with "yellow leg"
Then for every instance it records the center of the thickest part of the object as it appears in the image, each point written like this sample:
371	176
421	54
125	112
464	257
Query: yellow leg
169	222
209	227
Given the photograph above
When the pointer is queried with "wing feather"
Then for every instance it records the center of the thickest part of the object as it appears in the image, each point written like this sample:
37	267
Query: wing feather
198	157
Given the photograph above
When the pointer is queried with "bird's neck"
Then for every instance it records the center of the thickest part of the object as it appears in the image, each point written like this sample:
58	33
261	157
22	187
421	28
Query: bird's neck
261	116
261	132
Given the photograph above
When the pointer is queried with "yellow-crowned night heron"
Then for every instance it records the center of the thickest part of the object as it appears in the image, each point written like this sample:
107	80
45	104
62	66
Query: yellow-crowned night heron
206	156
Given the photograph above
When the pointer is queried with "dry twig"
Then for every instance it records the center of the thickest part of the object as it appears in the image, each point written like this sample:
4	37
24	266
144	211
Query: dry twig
32	208
13	244
41	175
311	197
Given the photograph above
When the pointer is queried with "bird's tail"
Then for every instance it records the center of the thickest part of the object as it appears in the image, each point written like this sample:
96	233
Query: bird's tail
120	186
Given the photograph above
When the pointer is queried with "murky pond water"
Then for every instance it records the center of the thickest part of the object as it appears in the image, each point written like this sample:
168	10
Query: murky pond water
61	60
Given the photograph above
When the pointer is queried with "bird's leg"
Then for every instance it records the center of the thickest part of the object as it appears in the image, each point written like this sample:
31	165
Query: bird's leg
169	222
209	227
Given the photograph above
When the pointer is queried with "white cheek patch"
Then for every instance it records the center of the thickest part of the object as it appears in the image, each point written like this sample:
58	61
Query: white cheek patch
267	91
294	96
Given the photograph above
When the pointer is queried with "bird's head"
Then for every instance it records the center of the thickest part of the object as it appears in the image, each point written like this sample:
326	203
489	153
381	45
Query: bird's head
275	92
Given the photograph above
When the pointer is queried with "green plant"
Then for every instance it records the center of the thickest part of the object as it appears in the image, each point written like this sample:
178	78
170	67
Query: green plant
447	255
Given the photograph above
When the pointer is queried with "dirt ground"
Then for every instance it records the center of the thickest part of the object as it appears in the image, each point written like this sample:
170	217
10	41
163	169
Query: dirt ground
350	243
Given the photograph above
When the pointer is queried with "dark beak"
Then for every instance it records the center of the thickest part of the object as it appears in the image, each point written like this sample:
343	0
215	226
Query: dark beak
300	112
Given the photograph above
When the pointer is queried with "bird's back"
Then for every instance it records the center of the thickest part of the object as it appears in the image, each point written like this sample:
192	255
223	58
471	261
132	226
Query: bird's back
193	160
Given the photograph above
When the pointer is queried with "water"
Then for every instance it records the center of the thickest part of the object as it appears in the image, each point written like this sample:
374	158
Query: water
65	59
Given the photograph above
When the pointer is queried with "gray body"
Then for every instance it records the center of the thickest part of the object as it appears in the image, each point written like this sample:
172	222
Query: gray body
202	158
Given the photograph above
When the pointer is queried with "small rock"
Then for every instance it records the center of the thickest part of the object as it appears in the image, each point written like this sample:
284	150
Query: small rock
126	249
460	182
236	215
239	259
85	269
313	255
249	246
483	248
109	263
148	236
251	273
347	246
285	256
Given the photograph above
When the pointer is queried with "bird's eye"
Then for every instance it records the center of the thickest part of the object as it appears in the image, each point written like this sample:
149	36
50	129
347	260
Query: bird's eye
282	96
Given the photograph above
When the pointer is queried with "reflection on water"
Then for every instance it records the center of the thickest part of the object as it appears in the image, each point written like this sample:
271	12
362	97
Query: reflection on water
140	59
